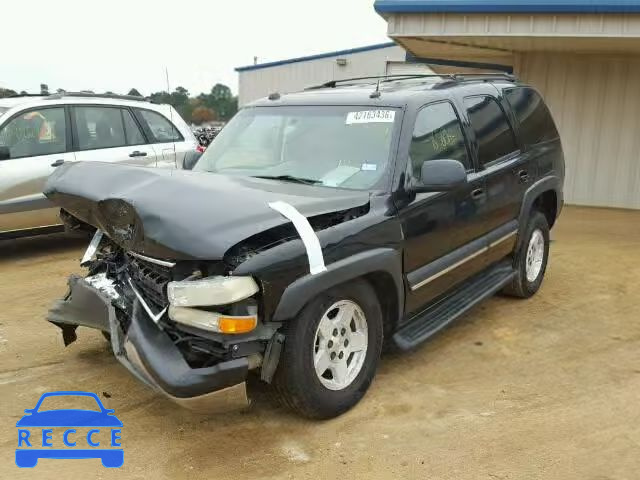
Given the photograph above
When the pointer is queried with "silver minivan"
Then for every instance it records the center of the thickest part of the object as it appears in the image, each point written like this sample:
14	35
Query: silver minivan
40	133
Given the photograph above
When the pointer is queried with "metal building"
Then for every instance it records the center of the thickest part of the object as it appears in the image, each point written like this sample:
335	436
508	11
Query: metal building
257	81
584	57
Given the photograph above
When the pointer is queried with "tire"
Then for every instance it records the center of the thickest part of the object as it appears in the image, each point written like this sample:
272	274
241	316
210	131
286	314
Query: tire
107	336
323	396
526	283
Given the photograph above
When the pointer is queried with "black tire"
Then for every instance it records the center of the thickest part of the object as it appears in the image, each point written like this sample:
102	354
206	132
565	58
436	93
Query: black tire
296	382
521	286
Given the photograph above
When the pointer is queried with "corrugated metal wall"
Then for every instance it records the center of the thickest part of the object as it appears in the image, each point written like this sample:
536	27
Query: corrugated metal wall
292	77
596	103
405	68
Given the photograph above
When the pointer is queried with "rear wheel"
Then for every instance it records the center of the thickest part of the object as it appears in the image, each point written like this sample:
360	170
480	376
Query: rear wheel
331	352
531	259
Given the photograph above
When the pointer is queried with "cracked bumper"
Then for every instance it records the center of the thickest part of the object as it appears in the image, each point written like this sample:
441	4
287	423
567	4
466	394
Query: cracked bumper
149	354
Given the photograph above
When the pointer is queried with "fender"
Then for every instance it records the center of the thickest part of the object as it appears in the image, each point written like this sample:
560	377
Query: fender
547	183
306	288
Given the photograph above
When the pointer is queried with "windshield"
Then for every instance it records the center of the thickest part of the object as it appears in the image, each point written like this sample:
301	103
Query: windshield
346	147
63	402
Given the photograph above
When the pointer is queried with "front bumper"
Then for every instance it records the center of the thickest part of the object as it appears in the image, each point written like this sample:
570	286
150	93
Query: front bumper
149	353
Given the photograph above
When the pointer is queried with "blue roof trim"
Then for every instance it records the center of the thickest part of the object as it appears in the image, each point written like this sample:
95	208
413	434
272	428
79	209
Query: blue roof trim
507	6
316	57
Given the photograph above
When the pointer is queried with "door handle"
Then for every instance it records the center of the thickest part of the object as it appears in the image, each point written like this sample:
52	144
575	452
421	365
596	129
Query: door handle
477	194
57	163
138	153
524	176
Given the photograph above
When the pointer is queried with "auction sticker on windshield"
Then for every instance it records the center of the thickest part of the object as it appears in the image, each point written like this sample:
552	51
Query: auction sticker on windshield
371	116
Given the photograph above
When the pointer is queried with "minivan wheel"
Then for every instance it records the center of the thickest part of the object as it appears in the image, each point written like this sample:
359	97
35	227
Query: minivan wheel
331	352
530	260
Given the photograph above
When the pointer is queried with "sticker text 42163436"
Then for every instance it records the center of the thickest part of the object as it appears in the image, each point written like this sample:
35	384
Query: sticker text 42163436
371	116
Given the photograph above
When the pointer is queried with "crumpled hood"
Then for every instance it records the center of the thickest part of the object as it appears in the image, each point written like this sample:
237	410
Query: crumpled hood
182	214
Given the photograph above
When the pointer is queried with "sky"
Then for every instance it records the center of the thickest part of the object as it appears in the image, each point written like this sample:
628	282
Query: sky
123	44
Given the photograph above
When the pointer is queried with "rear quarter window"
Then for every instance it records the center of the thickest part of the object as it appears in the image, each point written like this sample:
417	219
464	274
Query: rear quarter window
158	127
536	123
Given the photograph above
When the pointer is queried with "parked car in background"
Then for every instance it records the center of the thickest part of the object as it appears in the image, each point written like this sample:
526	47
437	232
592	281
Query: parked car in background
205	135
40	133
315	226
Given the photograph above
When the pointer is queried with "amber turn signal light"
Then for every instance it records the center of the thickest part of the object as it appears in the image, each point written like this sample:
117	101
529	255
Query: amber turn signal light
237	324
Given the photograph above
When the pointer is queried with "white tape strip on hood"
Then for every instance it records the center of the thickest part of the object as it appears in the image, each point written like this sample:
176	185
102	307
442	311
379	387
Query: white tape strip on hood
308	236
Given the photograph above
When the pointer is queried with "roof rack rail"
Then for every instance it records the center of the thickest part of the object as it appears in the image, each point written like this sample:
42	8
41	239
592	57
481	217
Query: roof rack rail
18	95
484	76
456	77
113	96
384	78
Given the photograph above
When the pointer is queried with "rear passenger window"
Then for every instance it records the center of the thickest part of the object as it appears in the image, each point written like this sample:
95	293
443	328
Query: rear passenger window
437	135
99	127
131	129
161	128
536	124
493	133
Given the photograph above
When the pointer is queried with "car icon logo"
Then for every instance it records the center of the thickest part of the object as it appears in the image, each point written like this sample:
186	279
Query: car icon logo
69	433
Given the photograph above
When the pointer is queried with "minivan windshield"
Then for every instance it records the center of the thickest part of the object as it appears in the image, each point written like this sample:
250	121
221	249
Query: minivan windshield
334	146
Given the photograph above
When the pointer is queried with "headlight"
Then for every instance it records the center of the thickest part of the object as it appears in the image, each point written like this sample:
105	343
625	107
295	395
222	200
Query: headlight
210	291
212	321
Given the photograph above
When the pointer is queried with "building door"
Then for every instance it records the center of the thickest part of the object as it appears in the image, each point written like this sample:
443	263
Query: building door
594	101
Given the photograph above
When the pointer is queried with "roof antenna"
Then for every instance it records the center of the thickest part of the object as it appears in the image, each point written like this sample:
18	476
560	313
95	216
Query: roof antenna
376	93
166	71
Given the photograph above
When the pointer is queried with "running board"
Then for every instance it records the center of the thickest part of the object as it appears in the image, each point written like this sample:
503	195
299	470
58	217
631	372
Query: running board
442	313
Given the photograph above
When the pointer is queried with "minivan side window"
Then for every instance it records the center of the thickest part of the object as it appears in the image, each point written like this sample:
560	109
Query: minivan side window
160	128
494	134
99	127
437	134
36	132
536	123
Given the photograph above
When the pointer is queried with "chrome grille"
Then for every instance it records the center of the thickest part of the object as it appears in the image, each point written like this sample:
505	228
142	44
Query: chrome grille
150	279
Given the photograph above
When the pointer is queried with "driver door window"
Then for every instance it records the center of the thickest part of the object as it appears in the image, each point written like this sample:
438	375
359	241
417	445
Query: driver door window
437	134
35	133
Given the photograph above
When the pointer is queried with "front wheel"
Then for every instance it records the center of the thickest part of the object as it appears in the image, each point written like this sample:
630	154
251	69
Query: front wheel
530	260
331	351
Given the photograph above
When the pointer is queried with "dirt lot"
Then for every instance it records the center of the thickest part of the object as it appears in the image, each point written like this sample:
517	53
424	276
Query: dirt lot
544	388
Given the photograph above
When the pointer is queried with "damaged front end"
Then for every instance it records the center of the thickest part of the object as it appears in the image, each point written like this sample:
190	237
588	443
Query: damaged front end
184	328
189	274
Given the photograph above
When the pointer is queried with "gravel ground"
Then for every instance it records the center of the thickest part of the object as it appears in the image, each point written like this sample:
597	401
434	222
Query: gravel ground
543	388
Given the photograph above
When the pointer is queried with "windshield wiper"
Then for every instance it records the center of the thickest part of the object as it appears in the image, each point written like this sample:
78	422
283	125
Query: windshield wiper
290	178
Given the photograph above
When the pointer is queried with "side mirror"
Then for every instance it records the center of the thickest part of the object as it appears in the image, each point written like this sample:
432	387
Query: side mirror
5	153
28	410
190	160
441	176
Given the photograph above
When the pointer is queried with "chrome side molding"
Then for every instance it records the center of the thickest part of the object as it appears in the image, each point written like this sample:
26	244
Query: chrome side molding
463	261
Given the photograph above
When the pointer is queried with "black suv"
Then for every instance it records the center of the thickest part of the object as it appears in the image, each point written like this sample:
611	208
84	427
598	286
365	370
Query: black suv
316	226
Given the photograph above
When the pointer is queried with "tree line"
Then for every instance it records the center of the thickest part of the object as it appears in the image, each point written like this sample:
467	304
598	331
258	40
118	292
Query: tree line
219	104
